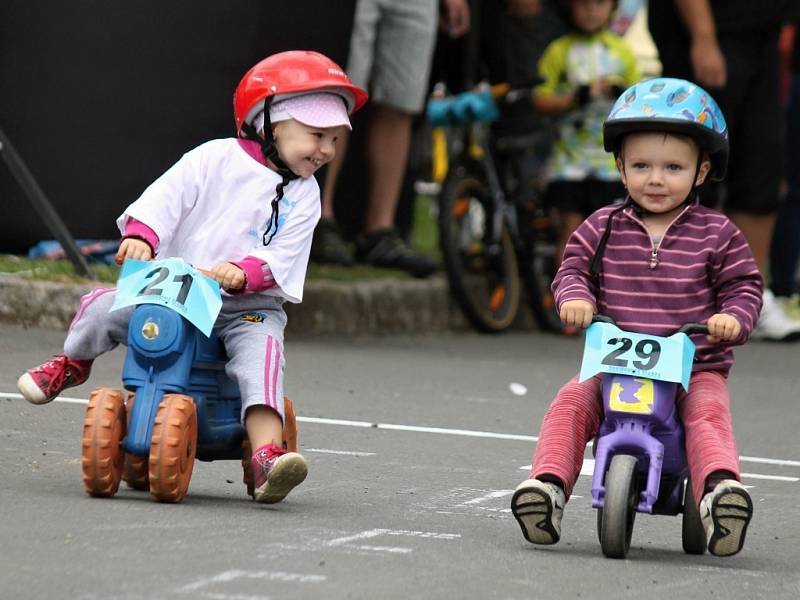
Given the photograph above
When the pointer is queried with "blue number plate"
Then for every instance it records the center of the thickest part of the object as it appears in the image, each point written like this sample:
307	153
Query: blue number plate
608	349
173	283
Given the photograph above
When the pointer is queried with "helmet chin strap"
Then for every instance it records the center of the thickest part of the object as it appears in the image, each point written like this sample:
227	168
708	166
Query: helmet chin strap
270	152
595	265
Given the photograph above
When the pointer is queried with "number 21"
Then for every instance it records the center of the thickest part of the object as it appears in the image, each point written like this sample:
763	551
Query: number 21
161	274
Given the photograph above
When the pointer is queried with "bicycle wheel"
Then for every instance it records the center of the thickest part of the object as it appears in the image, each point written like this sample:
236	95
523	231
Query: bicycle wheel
483	273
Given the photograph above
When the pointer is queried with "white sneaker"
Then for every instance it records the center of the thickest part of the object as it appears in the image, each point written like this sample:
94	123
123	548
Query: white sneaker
538	507
774	324
725	512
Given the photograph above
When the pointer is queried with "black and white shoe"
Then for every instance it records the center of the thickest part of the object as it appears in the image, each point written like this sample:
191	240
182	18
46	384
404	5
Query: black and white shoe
726	512
538	507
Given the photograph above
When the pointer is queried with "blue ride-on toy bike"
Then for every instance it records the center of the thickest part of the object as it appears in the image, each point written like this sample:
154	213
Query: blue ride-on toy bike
181	405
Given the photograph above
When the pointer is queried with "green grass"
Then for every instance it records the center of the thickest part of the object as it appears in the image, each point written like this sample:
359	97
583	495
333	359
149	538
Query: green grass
52	270
424	240
62	271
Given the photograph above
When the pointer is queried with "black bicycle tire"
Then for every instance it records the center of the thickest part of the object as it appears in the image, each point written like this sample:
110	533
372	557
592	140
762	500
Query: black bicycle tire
476	310
538	272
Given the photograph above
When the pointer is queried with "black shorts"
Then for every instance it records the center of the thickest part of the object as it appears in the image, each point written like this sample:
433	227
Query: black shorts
751	105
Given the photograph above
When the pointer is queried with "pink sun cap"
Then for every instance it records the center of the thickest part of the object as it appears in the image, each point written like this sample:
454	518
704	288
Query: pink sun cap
322	109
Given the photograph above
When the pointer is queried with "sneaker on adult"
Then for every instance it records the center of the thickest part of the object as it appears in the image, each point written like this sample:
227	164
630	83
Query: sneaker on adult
385	249
774	324
538	507
725	512
791	306
328	246
43	383
276	473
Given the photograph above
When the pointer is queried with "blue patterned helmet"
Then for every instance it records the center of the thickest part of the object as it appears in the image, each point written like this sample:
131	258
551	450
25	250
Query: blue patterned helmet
670	105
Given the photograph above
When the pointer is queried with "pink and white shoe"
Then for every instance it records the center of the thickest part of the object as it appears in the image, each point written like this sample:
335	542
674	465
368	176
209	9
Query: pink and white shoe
276	472
43	383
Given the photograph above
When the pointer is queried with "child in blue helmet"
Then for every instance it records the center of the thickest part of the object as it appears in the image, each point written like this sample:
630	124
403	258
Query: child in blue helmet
655	262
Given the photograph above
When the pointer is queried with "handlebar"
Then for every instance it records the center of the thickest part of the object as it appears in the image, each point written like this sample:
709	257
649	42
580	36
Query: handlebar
478	105
688	328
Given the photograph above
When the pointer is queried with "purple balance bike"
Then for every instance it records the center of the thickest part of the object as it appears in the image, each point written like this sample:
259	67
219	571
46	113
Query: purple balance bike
640	460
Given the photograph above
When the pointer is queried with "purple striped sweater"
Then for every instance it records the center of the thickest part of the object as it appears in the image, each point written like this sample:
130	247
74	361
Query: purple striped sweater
701	266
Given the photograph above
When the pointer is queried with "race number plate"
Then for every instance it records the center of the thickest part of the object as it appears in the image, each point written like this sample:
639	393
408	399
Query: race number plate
173	283
608	349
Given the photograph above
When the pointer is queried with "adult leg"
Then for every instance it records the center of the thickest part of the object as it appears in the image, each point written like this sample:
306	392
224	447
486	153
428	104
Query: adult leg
785	250
388	142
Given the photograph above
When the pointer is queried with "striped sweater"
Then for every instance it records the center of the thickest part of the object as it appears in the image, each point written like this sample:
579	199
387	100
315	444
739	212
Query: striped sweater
701	266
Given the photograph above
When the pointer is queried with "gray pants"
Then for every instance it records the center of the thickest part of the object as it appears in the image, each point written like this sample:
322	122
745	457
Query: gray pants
250	327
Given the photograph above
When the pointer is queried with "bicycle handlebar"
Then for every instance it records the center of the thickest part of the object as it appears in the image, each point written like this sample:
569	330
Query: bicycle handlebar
688	328
478	105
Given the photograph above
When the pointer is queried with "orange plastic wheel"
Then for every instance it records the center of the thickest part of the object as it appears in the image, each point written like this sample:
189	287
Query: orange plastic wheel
289	443
103	429
134	471
172	448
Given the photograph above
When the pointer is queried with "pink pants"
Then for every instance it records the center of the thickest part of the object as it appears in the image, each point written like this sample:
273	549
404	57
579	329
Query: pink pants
574	418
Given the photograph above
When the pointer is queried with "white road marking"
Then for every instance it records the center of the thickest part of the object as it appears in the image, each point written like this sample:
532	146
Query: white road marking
344	452
232	575
471	433
588	470
771	477
420	429
350	541
490	496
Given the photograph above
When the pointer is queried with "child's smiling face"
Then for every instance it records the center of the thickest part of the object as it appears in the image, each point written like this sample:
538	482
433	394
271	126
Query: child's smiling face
659	170
305	149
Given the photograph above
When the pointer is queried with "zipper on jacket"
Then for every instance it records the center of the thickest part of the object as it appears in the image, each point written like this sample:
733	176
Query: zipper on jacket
654	256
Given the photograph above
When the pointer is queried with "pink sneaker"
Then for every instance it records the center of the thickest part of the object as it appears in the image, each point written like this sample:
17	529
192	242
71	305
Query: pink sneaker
276	472
43	383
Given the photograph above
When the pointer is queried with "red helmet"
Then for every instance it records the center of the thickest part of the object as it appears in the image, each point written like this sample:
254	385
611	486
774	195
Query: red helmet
289	74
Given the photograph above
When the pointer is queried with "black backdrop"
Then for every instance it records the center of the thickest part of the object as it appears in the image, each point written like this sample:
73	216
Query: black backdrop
99	97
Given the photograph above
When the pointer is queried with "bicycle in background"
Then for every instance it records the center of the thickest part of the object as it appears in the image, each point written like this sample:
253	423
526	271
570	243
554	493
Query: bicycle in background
494	231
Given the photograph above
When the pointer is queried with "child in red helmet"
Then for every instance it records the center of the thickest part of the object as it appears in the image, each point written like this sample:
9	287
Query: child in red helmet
245	208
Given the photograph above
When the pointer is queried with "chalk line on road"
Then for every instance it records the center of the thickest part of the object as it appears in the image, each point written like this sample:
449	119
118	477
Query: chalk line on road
468	433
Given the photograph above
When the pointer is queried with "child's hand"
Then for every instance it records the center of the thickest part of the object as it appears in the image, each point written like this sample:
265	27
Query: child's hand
723	328
229	276
577	313
133	248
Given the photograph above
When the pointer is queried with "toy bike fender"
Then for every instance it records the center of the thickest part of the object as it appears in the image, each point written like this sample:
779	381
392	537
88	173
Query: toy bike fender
158	361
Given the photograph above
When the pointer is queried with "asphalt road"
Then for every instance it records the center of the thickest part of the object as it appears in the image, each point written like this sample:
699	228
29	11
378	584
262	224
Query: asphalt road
404	499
